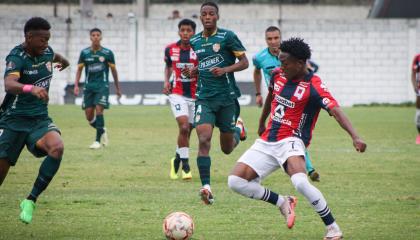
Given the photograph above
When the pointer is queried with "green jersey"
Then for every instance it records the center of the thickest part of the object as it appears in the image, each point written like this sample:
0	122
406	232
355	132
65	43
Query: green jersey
96	65
219	50
30	70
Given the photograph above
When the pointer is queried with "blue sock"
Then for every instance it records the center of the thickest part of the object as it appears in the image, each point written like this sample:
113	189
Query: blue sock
48	169
309	167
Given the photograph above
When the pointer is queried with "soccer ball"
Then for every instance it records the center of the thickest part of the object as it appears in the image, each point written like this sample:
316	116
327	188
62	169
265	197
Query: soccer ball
178	226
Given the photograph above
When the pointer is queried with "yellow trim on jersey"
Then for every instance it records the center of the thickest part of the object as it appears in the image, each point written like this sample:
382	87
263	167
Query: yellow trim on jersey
112	65
81	65
214	33
15	73
238	53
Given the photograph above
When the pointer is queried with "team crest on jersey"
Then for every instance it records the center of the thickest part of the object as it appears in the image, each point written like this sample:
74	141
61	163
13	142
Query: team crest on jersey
193	56
216	47
101	59
48	65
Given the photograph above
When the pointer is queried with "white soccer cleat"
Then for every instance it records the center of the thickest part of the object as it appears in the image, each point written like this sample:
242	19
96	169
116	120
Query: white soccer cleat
287	209
95	145
104	138
206	195
333	233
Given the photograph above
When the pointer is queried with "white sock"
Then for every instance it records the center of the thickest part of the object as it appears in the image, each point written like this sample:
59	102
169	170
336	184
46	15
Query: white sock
253	189
93	120
183	152
313	195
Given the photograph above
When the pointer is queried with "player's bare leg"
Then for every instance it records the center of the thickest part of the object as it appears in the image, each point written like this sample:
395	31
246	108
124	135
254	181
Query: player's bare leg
204	133
4	169
295	167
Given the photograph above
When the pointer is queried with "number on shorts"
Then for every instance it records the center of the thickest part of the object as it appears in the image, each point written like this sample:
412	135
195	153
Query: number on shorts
177	107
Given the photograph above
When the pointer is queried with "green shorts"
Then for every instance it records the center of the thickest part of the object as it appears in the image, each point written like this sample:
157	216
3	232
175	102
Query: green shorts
220	113
16	132
91	98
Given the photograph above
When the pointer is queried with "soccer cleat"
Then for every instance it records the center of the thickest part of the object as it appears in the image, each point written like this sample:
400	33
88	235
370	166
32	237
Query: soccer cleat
172	174
27	207
333	233
206	196
418	139
240	125
95	145
104	138
314	176
186	176
287	209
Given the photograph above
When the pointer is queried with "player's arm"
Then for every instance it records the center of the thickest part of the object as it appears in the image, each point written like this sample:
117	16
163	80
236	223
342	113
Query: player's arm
257	81
345	123
77	79
116	80
236	67
413	74
166	83
63	63
266	109
11	85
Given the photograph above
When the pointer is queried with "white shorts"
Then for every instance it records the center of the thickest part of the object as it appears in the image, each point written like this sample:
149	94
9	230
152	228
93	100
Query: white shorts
266	157
182	106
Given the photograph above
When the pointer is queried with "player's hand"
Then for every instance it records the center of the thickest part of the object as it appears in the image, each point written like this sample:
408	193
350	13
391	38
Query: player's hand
76	90
166	88
40	93
359	144
259	100
62	65
261	129
216	71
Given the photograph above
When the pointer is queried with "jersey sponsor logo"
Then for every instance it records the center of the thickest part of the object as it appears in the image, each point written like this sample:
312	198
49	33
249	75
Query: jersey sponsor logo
325	101
216	47
10	65
299	92
283	101
210	61
206	44
184	65
89	59
101	59
175	58
43	82
175	50
30	72
200	51
96	67
324	87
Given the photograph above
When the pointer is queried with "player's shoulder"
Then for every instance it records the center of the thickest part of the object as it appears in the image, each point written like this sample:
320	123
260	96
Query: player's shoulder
172	45
196	37
85	51
18	52
417	57
224	33
106	51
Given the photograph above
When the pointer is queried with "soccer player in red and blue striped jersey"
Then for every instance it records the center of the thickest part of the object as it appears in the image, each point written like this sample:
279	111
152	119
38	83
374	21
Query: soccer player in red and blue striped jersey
415	79
295	98
181	91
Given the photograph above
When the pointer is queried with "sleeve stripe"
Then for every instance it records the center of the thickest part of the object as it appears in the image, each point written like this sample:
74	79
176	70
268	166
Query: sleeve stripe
111	64
238	53
80	64
14	73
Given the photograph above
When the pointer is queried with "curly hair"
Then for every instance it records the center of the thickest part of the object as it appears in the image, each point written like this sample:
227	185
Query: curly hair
297	48
36	23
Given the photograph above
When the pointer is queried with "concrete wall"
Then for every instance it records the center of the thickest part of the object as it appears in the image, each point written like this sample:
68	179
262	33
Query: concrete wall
362	61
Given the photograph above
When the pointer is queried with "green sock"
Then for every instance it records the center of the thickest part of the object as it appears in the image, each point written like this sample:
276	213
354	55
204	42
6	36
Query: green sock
93	123
237	135
100	123
46	172
203	164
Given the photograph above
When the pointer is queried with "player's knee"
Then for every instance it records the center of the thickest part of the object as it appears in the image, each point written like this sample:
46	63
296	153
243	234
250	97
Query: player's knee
56	150
299	181
226	149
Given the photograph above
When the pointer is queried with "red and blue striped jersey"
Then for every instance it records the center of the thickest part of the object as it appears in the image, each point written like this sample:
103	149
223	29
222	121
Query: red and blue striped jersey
179	58
416	69
295	107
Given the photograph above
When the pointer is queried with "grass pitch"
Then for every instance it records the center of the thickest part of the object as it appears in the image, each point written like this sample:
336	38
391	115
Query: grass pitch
124	191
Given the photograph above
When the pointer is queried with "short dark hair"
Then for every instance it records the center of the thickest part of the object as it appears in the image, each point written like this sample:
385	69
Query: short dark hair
36	23
297	48
272	29
95	30
187	22
210	3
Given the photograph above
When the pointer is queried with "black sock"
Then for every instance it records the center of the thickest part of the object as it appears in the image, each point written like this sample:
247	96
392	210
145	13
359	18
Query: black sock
185	165
177	162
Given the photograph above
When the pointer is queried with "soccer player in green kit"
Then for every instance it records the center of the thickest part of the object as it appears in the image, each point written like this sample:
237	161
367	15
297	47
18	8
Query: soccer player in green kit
217	105
24	112
97	61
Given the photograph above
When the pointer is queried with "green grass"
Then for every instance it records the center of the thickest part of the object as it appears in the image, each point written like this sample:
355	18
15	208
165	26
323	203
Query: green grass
124	191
